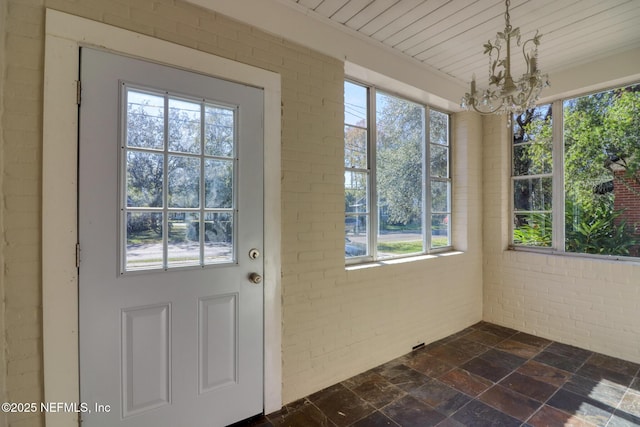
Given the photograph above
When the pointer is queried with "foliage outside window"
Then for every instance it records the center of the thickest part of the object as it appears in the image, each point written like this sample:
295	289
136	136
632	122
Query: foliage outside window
397	176
599	184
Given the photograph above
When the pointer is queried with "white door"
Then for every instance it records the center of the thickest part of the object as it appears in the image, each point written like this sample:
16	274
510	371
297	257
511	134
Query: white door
171	238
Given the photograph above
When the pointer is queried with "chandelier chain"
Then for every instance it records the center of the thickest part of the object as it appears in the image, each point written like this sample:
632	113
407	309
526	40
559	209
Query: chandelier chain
507	16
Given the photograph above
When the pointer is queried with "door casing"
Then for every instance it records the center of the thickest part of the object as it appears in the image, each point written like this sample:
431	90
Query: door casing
64	35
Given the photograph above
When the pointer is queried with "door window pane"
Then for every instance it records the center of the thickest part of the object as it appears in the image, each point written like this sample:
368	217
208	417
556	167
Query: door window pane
144	179
145	120
218	238
184	182
218	183
184	239
219	131
184	126
144	248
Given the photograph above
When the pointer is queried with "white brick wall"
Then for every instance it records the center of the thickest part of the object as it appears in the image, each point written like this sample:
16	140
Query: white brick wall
589	303
21	155
336	323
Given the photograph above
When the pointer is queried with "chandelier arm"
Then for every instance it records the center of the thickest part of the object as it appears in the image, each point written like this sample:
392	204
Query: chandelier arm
473	105
495	64
524	47
524	54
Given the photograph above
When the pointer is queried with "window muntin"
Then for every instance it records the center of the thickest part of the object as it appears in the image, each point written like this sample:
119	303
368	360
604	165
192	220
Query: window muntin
178	187
596	185
397	176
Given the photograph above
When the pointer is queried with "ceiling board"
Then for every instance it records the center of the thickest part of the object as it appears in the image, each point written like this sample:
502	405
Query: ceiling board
448	35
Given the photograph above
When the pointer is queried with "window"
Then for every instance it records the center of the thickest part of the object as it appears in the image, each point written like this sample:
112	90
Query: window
178	162
397	176
532	165
588	199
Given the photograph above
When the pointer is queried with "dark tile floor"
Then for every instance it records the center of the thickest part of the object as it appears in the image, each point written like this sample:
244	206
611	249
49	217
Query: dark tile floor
485	375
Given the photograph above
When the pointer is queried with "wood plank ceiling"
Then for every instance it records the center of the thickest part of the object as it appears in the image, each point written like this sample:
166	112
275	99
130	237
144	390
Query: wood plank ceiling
448	35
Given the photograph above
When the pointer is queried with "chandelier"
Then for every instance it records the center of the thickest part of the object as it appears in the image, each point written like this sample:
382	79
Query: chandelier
506	95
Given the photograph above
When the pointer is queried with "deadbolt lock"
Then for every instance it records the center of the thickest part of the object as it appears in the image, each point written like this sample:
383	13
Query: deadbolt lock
254	253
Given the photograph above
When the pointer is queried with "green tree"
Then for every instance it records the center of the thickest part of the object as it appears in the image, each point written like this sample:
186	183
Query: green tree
601	135
399	180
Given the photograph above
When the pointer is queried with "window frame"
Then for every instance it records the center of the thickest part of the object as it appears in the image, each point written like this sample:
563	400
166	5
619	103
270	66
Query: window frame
540	175
372	197
558	184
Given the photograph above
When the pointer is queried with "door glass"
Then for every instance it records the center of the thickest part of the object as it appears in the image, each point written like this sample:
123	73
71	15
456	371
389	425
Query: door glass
183	247
184	126
218	183
178	204
218	237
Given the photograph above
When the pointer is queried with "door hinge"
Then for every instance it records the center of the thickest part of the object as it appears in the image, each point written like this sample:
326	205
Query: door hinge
78	91
77	255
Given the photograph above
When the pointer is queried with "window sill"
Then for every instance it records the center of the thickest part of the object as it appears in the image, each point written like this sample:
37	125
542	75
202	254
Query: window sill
396	261
554	252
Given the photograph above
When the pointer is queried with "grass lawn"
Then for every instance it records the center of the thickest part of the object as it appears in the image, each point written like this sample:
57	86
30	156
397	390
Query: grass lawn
411	247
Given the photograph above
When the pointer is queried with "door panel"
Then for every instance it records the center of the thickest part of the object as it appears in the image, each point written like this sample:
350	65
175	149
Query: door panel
146	358
218	341
171	202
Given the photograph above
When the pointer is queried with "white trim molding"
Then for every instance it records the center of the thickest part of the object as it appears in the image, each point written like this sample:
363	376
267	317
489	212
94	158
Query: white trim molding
64	35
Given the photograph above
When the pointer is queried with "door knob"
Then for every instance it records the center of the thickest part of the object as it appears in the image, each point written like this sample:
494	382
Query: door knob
255	278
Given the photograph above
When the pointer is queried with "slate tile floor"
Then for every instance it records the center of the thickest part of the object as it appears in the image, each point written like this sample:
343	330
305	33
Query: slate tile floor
485	375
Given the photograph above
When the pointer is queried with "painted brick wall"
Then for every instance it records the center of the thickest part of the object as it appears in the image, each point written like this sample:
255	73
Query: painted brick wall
21	162
589	303
336	323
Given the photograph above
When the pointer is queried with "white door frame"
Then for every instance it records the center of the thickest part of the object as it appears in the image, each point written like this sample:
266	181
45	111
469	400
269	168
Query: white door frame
64	35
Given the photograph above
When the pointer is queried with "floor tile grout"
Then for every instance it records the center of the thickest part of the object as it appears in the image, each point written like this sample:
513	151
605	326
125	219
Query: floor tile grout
416	379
